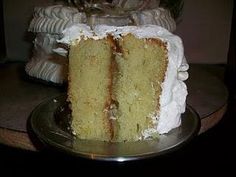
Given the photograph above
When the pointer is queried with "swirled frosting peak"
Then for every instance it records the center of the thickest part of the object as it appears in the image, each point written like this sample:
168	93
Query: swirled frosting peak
54	19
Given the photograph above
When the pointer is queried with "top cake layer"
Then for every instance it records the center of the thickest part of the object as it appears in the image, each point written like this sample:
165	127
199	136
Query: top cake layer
174	91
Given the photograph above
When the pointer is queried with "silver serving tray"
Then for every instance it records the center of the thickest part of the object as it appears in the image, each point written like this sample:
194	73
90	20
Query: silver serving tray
45	126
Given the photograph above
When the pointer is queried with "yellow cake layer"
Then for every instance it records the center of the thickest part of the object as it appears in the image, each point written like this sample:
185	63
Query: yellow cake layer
141	71
114	86
89	63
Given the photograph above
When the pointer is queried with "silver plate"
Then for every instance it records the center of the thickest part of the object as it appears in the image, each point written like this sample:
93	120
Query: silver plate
45	126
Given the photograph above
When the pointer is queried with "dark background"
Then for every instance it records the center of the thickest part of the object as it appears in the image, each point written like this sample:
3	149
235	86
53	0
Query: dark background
211	153
2	41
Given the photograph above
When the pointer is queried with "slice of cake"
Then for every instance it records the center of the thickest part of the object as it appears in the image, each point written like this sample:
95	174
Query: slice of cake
125	83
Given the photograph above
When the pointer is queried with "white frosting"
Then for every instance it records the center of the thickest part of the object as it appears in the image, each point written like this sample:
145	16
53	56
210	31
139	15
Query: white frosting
54	19
44	64
174	90
75	32
46	70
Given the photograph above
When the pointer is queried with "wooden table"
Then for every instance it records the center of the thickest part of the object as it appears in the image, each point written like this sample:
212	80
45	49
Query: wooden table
19	95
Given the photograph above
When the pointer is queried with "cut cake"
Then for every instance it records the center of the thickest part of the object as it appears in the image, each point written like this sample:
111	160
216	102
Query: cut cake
125	83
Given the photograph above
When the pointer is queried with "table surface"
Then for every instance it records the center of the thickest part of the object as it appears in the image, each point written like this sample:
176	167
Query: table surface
20	94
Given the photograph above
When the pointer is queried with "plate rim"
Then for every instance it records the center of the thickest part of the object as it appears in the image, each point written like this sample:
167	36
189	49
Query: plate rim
102	157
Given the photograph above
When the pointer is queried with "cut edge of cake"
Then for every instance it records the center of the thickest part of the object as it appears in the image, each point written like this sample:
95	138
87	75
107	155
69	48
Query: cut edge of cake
172	88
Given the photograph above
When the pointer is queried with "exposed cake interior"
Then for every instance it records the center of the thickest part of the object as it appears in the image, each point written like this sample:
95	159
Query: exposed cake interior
142	64
89	70
123	87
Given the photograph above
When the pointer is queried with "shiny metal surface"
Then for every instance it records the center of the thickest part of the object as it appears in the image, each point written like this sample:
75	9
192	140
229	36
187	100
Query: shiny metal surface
45	127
